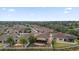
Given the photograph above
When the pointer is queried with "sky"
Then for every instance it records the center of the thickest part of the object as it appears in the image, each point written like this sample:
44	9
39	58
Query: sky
39	14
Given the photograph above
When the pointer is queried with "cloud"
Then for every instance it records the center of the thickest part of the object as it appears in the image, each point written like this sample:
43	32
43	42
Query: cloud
8	15
67	10
11	10
3	8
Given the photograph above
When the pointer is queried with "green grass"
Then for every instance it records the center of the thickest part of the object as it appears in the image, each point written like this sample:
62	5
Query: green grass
1	46
63	45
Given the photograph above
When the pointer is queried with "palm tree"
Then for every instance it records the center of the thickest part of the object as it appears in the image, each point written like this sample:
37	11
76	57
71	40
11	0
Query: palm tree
31	40
23	40
10	41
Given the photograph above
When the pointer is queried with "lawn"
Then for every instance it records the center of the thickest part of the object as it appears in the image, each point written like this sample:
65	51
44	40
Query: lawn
63	45
1	46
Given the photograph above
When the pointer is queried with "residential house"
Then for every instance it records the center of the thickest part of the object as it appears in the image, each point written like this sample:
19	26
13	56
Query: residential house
59	36
44	40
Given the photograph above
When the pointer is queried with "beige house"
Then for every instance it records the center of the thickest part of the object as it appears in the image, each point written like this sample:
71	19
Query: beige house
59	36
44	40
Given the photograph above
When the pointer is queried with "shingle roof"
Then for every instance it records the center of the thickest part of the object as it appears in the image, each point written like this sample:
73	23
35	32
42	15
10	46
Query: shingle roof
63	35
43	35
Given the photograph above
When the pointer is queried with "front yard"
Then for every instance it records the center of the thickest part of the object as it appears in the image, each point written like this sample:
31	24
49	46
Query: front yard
63	45
1	45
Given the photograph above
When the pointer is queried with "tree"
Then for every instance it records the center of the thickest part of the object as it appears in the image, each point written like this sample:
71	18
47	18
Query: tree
1	33
10	40
54	43
23	40
32	39
77	40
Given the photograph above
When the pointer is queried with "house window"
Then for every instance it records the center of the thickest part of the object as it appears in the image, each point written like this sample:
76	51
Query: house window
41	41
65	40
16	40
15	32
